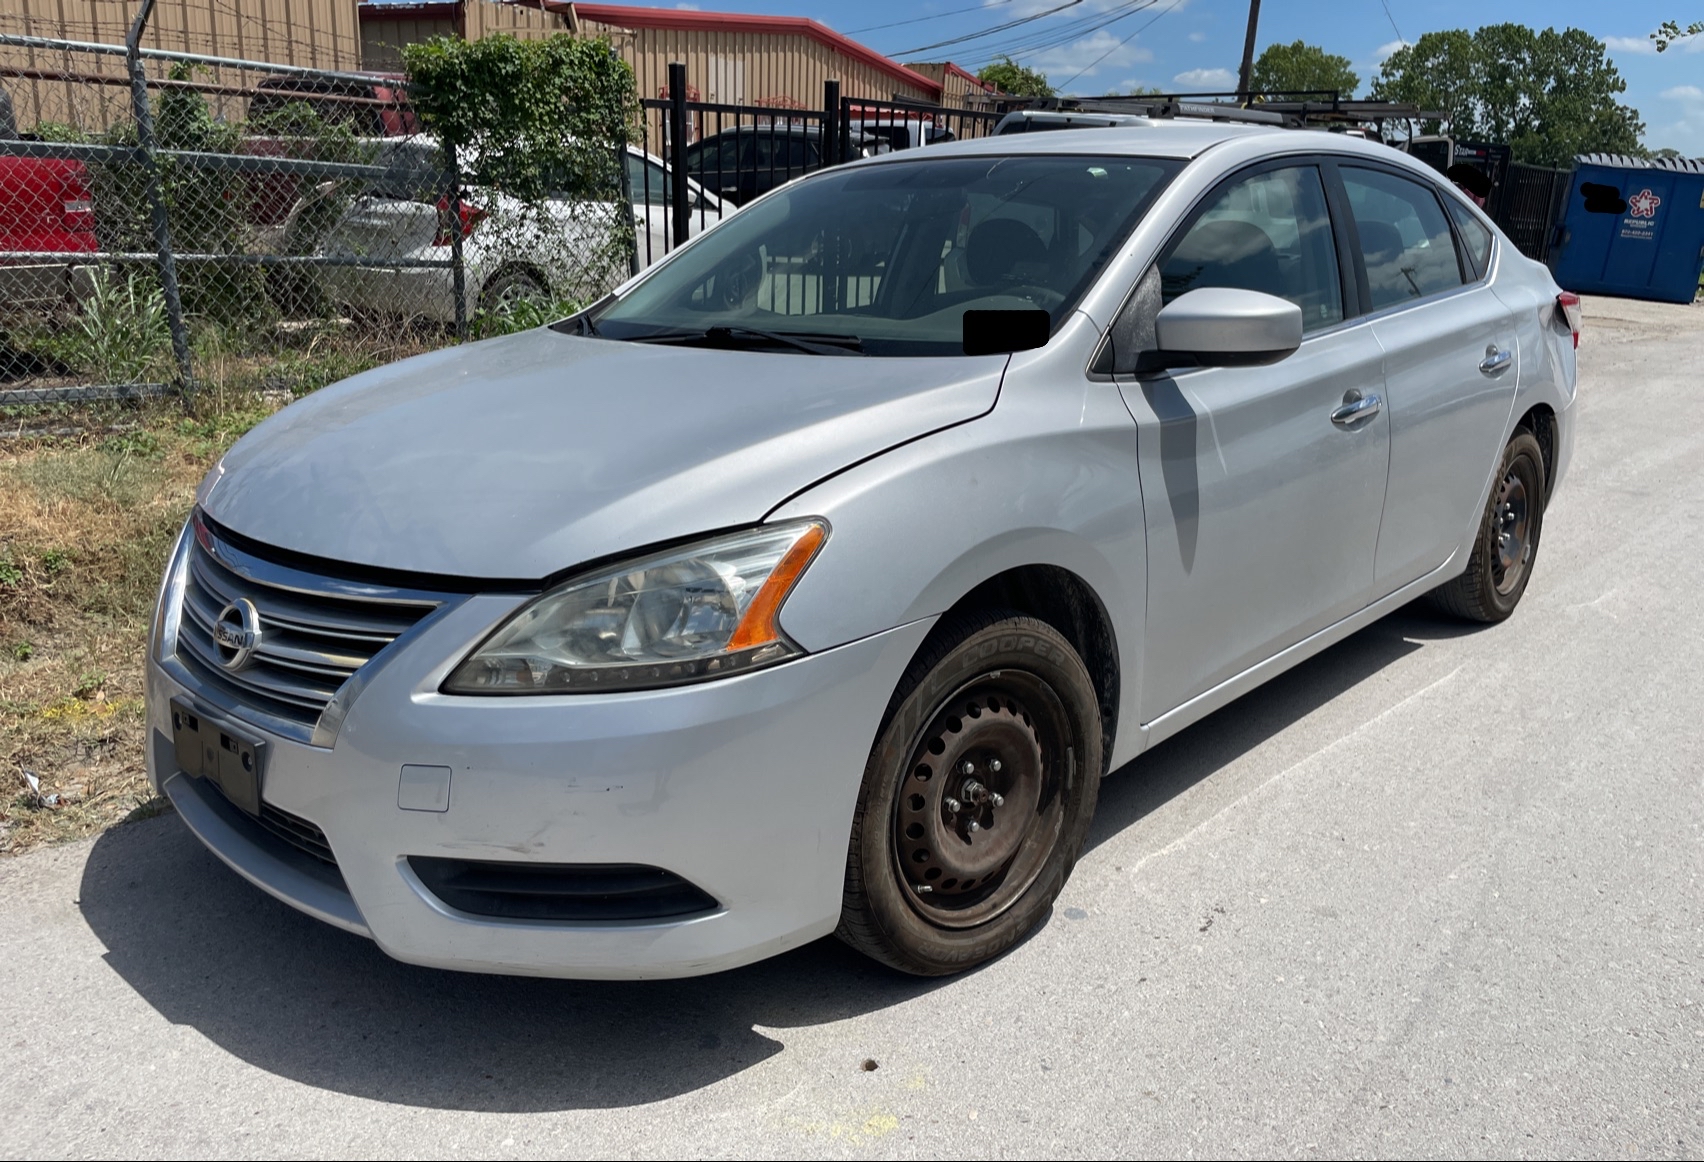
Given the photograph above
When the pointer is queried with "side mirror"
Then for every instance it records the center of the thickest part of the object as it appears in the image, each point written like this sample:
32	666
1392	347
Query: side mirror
1225	327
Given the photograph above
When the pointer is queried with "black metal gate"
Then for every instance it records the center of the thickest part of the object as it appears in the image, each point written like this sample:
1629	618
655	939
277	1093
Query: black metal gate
703	159
1530	207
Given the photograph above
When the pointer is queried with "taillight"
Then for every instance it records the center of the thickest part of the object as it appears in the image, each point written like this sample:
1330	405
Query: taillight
1569	304
470	216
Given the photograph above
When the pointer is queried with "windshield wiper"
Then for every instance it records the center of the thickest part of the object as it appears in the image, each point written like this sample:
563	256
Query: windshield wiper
725	336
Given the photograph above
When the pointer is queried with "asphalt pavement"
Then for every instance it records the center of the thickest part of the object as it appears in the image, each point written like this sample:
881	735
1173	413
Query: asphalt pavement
1438	892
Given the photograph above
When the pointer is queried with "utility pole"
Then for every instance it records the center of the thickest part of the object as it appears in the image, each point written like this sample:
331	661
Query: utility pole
1247	71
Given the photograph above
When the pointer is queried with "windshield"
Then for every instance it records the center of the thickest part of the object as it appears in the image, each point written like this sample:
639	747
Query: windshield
891	256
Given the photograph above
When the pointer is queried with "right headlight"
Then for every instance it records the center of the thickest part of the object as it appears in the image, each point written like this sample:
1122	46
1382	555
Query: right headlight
699	612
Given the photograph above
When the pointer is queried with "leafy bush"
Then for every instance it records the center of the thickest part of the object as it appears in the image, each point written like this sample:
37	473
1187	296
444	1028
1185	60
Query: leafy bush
521	314
122	334
540	121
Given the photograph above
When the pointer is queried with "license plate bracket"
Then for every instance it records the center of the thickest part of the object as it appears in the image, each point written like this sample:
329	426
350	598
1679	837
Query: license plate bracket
211	749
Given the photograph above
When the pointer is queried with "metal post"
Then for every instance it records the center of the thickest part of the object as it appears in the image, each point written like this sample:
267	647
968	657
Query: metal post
831	154
458	269
677	153
1245	77
156	196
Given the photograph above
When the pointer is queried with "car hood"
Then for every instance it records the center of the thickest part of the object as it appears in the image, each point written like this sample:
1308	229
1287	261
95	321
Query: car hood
519	457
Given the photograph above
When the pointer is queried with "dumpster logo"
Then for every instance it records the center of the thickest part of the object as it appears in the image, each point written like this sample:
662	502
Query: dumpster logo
1643	204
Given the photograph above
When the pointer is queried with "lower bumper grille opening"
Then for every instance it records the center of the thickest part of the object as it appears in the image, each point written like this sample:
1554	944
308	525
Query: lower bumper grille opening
585	892
297	832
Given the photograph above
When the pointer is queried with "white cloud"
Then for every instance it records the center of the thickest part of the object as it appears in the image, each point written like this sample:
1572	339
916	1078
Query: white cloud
1060	63
1197	37
1686	132
1641	45
1386	49
1209	79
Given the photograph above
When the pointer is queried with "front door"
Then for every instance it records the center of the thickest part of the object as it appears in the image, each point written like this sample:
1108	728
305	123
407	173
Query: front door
1262	510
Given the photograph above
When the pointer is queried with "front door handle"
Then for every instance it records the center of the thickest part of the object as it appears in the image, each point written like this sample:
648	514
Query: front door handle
1353	411
1496	362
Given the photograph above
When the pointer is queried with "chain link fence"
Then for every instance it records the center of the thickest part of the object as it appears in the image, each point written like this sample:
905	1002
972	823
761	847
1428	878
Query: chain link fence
170	221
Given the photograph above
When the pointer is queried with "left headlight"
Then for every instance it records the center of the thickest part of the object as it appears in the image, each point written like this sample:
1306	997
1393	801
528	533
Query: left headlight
703	611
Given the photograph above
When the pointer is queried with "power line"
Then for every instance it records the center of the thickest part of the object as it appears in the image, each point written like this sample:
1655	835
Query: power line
1041	40
921	19
988	31
1091	66
1392	20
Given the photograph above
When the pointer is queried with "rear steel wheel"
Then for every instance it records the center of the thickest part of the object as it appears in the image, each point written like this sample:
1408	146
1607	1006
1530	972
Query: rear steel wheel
976	797
1501	562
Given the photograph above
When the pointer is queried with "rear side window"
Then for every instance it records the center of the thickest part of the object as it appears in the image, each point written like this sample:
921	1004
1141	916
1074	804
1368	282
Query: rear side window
1405	238
1475	238
1266	232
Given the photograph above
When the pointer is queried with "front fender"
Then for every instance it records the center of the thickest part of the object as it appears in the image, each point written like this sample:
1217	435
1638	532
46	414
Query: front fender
1039	481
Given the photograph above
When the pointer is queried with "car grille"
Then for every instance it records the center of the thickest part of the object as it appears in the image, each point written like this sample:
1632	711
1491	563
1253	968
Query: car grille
314	634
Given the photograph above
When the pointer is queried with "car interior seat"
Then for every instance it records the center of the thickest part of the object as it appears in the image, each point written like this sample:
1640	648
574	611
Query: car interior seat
998	247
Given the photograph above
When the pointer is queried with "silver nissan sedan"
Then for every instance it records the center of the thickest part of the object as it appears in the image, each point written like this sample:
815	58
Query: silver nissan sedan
811	582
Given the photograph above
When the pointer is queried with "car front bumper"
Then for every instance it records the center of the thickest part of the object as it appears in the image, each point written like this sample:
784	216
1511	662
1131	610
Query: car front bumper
744	787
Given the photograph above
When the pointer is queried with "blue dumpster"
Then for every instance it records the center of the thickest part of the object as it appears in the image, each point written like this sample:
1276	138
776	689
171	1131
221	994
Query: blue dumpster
1633	227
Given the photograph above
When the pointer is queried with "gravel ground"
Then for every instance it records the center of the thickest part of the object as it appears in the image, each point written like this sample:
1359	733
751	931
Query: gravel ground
1436	893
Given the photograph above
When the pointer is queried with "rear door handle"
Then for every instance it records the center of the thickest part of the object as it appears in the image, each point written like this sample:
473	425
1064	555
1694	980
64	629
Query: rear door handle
1354	411
1496	362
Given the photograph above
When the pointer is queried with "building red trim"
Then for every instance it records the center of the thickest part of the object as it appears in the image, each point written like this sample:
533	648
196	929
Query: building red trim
971	77
625	16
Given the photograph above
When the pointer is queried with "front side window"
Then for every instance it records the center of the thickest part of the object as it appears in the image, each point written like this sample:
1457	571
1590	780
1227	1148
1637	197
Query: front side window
891	256
1267	232
1405	238
646	181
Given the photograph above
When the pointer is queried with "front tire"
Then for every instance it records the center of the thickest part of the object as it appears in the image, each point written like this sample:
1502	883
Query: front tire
976	798
1507	545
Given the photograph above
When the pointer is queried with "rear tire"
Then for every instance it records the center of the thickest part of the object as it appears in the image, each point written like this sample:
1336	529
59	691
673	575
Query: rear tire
1507	545
510	287
976	798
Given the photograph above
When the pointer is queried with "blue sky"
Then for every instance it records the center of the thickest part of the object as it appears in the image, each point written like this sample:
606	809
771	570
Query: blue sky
1196	44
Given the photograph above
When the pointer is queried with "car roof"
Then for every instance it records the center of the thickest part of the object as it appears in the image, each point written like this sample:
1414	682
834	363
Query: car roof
1176	139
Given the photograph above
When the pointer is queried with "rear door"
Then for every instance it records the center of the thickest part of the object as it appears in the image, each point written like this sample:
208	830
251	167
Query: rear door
1450	366
1262	509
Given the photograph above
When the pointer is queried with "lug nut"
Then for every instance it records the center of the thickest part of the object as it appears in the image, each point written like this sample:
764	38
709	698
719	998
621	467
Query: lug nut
997	799
994	765
953	805
969	768
974	826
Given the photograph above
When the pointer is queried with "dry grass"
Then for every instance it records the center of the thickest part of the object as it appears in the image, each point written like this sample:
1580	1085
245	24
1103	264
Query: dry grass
85	526
90	502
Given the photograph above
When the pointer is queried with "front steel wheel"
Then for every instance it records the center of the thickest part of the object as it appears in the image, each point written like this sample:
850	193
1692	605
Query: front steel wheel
976	798
1501	563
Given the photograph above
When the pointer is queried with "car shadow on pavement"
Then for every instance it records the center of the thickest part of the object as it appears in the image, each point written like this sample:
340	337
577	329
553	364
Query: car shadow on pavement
305	1001
302	1000
1197	752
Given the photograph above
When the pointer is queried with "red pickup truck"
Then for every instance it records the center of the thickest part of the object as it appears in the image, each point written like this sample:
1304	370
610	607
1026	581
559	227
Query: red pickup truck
45	210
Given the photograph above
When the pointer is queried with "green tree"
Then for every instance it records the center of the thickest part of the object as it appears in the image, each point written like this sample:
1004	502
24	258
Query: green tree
1009	76
1135	91
1549	95
1299	65
1671	31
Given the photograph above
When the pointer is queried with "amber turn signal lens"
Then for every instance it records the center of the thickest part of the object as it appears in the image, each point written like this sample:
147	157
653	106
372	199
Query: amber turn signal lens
758	626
